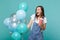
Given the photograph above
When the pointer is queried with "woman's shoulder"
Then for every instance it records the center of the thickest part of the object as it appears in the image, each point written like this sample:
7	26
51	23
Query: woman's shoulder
32	16
45	20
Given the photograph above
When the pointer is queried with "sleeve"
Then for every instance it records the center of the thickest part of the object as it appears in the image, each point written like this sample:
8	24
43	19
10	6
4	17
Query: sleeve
45	20
32	17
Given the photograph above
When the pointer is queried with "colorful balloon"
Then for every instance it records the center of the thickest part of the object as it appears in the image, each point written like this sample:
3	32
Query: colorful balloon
20	14
22	28
16	36
7	21
23	6
13	18
12	29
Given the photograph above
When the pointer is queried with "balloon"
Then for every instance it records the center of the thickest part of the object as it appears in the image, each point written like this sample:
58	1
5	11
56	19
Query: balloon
12	29
20	14
14	25
23	6
13	18
16	36
7	21
22	28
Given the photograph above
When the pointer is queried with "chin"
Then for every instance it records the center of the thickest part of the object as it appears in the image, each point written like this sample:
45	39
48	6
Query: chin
38	14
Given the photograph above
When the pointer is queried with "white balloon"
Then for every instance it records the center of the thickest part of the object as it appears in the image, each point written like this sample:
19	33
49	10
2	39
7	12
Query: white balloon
14	19
7	21
20	14
14	25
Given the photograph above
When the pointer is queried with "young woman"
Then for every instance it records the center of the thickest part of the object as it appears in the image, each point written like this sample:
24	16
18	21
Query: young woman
38	22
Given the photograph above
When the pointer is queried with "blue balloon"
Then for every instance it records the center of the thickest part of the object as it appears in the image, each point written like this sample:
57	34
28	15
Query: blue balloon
7	21
20	14
12	27
23	6
22	28
16	36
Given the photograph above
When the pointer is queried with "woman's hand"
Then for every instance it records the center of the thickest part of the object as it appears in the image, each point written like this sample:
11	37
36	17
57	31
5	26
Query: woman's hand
41	24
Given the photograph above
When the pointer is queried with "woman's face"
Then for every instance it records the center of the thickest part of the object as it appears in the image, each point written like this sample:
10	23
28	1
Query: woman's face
38	10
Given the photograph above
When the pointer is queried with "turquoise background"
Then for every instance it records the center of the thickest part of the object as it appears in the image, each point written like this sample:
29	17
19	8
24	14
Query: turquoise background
52	12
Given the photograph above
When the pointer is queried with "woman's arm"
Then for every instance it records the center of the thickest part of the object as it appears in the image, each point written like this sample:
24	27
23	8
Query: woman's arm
30	23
